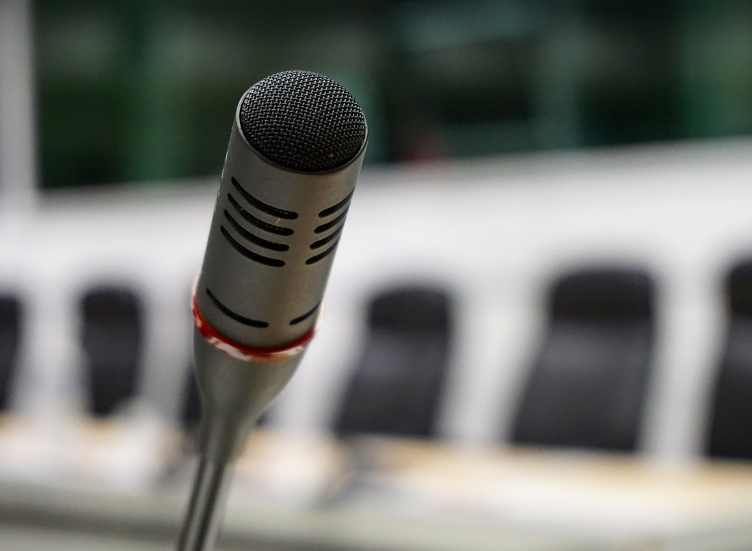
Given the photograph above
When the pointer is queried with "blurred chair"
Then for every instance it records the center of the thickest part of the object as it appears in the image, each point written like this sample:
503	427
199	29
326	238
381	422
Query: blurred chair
397	383
10	340
587	384
190	413
112	344
730	428
190	410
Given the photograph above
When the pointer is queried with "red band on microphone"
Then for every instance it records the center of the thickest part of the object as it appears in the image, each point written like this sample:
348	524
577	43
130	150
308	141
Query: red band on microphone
247	353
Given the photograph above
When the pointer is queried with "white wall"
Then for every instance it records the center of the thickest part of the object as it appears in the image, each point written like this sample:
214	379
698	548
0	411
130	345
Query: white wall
495	231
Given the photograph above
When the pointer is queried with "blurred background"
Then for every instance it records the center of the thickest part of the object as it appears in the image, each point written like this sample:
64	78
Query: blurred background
144	91
538	331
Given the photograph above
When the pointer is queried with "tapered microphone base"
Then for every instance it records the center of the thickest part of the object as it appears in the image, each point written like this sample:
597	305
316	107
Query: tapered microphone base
206	507
234	392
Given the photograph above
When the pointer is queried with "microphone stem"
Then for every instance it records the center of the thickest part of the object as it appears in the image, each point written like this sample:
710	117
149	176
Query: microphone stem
206	507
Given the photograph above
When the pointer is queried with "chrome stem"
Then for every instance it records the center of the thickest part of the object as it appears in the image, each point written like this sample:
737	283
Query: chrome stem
206	507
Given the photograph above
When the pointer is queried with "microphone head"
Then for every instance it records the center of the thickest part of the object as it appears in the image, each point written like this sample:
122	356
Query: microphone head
302	121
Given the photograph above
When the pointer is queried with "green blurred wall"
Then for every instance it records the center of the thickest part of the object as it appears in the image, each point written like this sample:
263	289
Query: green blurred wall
146	91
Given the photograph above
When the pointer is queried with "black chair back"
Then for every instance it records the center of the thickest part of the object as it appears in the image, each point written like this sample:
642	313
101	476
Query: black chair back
397	384
730	428
112	344
10	342
587	384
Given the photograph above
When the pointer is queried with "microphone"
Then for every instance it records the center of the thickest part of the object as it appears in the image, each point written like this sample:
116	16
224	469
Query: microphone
295	152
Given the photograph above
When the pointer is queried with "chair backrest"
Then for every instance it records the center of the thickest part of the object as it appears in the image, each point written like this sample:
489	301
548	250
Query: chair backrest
730	427
190	411
10	340
112	342
397	383
587	384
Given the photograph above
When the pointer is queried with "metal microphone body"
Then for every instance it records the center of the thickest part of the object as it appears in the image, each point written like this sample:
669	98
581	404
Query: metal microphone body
270	248
295	152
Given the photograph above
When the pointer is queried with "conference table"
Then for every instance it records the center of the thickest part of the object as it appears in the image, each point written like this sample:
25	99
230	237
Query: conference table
300	491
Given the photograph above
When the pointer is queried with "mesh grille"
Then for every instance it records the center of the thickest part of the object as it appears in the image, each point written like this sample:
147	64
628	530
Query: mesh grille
302	121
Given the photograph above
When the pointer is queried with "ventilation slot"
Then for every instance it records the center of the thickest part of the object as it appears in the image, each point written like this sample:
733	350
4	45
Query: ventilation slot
237	317
329	225
328	239
323	255
281	247
306	315
250	254
334	208
248	217
260	205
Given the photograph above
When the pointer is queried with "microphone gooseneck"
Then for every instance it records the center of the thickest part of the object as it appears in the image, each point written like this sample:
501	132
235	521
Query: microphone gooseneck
295	151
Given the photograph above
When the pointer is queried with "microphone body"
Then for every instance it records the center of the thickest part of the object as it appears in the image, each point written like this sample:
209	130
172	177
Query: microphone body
270	249
295	152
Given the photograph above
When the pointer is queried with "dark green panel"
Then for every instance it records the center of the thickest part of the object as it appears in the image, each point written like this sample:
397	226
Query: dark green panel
146	91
